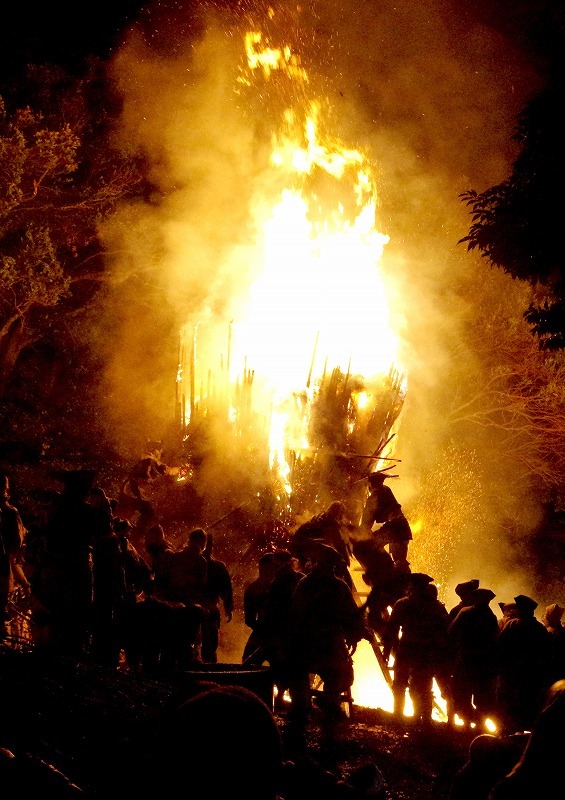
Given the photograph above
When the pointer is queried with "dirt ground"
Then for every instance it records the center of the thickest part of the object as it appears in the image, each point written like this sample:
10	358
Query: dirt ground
84	720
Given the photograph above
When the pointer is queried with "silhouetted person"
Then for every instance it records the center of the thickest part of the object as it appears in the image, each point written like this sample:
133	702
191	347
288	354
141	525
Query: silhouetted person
133	502
12	533
552	621
386	584
184	573
326	528
326	628
221	743
539	771
443	664
472	638
509	611
490	759
254	598
275	625
218	595
523	656
383	508
463	591
109	582
62	586
415	632
158	549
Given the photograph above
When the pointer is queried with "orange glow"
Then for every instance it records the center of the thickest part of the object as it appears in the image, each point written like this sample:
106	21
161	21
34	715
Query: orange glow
314	299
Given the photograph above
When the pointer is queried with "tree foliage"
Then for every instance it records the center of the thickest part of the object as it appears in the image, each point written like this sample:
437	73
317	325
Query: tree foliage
516	225
60	176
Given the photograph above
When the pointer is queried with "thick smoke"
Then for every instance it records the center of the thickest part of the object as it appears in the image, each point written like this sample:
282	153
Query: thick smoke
431	94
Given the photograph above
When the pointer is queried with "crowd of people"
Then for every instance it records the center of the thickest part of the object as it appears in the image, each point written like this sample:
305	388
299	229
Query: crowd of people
94	595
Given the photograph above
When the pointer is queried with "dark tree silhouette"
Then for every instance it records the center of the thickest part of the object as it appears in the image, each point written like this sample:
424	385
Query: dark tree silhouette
517	224
60	177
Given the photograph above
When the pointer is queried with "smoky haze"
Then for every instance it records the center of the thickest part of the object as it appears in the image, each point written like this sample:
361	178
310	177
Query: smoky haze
430	93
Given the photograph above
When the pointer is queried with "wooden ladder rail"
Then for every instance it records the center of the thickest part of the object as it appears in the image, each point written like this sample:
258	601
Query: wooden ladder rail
376	647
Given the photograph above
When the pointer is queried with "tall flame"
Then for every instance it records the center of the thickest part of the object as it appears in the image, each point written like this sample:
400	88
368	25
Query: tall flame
317	302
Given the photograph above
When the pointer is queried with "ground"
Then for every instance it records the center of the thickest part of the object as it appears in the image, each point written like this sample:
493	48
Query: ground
86	721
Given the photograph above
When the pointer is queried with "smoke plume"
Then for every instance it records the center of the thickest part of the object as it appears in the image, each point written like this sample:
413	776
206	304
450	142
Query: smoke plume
430	93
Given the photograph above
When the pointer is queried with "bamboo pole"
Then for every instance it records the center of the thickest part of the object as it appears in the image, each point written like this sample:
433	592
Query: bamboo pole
177	381
192	372
313	360
228	362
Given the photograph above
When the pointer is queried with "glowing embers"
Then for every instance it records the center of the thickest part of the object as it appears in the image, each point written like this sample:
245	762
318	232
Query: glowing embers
268	59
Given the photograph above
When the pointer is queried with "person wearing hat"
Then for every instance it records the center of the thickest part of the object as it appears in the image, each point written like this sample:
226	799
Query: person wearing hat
552	621
218	594
383	508
415	635
133	502
524	674
326	528
326	626
472	642
183	573
274	626
62	588
463	591
254	599
12	534
509	611
381	575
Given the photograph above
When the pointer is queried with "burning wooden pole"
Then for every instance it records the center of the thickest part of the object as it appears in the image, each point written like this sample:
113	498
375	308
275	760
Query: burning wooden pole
228	363
192	372
308	382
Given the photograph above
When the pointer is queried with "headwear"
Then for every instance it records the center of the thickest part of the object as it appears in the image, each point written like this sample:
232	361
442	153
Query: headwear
481	596
267	559
462	590
525	603
326	555
282	556
553	614
377	477
419	579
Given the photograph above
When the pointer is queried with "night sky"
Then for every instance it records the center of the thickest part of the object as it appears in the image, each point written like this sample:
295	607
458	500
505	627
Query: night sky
60	32
65	33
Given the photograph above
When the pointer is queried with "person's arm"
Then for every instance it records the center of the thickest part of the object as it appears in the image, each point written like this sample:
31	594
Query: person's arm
15	533
227	595
390	634
18	574
368	517
250	608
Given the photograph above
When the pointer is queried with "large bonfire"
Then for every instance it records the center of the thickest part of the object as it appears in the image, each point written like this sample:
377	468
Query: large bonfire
302	386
